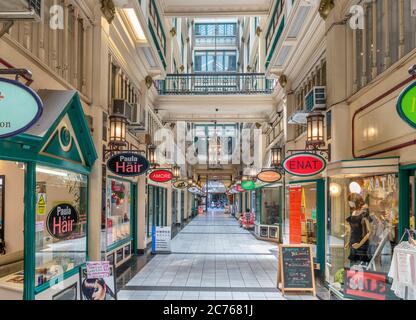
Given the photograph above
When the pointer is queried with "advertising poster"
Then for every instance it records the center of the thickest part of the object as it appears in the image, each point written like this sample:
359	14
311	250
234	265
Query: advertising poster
161	239
295	214
98	288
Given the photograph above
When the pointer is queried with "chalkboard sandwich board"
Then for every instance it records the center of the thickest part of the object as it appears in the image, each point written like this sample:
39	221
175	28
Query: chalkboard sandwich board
296	269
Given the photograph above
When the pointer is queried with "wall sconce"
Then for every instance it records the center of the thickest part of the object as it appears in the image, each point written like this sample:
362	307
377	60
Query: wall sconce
118	124
151	155
276	153
176	170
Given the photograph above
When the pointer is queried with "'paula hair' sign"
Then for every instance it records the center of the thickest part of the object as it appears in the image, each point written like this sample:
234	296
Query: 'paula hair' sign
128	164
304	164
61	221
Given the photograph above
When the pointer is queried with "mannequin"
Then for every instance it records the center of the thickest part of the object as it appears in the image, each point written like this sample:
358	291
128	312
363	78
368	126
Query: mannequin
359	229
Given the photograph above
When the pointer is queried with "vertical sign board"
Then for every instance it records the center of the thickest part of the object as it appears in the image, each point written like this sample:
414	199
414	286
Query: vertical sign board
161	239
295	270
295	195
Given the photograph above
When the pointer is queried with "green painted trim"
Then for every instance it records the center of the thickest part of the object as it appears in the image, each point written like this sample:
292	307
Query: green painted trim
321	225
57	279
408	167
404	205
276	40
88	219
62	164
161	55
135	217
399	106
119	244
30	232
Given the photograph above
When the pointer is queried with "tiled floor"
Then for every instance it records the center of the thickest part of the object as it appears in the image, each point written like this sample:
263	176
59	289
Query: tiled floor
212	259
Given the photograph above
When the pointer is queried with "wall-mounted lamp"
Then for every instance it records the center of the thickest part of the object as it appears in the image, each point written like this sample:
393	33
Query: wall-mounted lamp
176	170
276	153
118	125
151	155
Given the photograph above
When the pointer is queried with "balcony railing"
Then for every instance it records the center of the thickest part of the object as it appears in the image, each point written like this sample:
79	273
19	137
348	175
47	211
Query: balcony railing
216	40
215	84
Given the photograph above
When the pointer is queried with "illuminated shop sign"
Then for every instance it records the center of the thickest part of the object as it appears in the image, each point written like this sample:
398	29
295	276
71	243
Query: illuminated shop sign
304	164
269	176
248	185
161	176
360	284
128	164
20	108
406	105
61	221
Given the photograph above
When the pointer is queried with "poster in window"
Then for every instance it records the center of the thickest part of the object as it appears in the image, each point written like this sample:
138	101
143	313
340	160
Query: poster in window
98	288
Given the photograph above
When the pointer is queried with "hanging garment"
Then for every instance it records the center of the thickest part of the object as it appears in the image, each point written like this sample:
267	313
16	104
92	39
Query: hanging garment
358	231
403	271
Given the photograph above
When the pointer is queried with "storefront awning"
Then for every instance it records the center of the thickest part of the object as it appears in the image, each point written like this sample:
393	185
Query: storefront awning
363	167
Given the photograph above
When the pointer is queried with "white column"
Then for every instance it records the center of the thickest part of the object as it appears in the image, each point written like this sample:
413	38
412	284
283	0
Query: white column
141	213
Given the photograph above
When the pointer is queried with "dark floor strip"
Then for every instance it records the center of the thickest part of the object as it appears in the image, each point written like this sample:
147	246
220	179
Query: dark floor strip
205	289
226	253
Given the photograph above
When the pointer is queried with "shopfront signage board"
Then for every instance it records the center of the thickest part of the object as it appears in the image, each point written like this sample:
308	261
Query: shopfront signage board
161	239
406	105
296	269
304	164
365	285
269	176
62	221
20	108
98	269
98	288
128	164
180	184
161	176
238	188
248	185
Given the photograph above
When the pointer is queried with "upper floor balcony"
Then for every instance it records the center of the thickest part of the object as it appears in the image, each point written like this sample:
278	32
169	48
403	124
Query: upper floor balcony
216	84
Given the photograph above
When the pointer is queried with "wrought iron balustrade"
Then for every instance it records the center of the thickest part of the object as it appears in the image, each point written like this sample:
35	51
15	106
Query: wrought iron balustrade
215	84
216	40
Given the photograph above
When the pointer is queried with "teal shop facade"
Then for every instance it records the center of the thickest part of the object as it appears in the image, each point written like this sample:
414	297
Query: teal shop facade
46	168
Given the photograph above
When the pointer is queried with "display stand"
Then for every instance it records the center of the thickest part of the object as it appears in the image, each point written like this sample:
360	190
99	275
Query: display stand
296	269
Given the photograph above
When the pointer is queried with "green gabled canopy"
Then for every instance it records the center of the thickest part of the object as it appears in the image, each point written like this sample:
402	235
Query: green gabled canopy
61	135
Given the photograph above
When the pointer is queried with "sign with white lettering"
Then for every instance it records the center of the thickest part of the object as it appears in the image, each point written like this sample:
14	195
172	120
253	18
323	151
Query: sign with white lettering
304	164
20	108
161	176
128	164
61	221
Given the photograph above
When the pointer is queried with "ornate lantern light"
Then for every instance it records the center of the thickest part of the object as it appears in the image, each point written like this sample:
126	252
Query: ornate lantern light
151	150
176	171
276	153
118	125
315	130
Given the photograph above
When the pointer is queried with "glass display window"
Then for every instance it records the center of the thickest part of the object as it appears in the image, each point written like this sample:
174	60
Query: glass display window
362	225
61	222
271	206
119	211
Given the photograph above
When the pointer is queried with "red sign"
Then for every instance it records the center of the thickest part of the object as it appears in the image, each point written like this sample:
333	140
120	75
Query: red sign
295	206
239	189
161	176
304	164
361	284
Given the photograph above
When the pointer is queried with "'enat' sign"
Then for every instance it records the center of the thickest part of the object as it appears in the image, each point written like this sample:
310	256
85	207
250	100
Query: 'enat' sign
62	221
161	176
304	164
128	164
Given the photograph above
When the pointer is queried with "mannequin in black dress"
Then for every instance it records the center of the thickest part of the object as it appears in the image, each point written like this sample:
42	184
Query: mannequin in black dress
359	229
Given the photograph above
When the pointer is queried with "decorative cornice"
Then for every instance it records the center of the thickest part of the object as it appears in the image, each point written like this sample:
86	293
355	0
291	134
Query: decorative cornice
108	9
149	82
325	7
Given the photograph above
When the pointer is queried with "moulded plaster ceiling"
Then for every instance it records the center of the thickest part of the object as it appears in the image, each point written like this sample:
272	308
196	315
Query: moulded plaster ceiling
202	8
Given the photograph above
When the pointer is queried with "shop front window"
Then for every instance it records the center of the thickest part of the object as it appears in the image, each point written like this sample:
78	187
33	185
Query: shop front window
362	225
61	222
118	211
271	206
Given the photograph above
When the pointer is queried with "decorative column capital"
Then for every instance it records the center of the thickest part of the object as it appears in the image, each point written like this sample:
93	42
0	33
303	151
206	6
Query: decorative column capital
325	7
149	81
259	31
173	32
108	9
282	80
